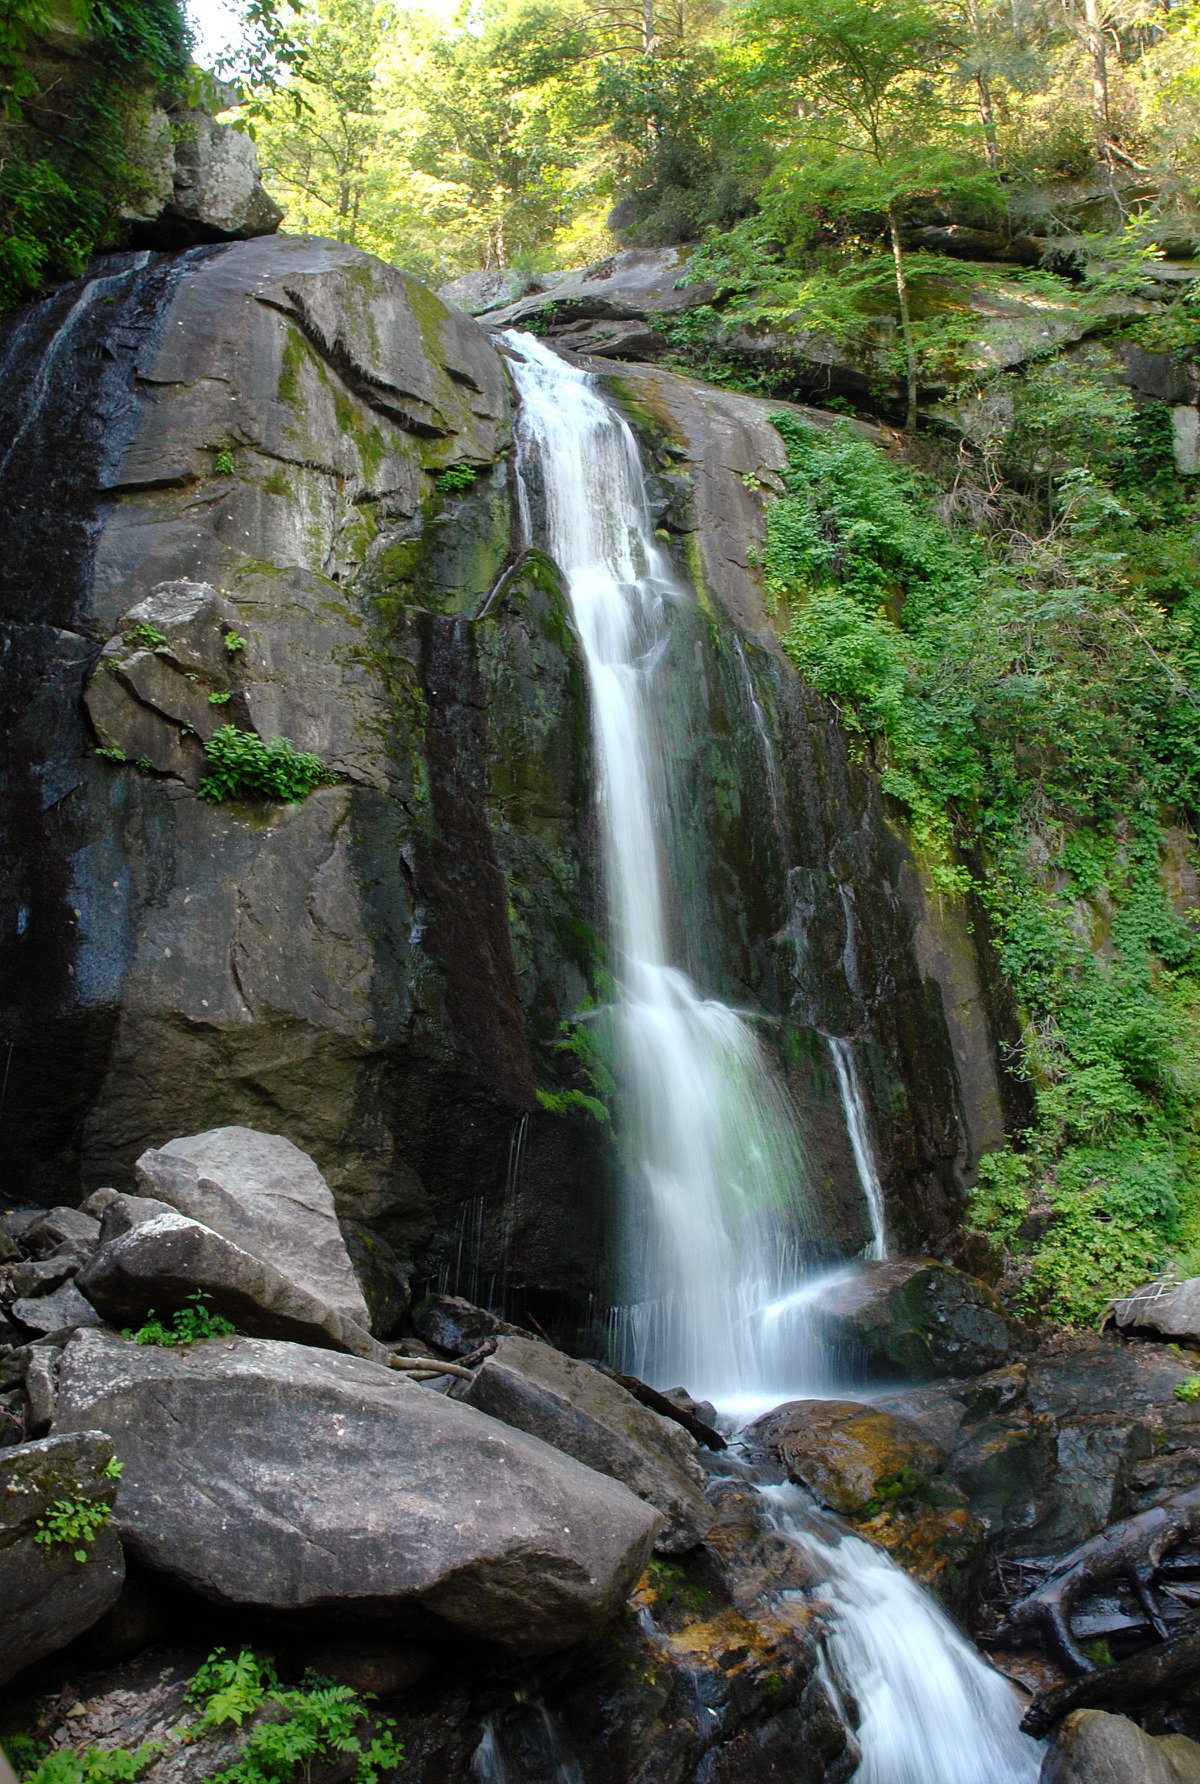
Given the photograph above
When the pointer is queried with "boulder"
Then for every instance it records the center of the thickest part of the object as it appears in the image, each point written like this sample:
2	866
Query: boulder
217	190
291	1480
62	1226
47	1595
916	1318
585	1414
160	1263
456	1326
269	1198
1164	1308
382	1276
851	1457
63	1310
1092	1747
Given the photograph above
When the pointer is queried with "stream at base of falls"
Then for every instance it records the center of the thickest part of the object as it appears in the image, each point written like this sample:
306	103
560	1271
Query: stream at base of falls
715	1208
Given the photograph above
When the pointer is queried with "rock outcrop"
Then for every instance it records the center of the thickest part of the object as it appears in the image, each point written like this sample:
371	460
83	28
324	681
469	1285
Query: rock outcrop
915	1318
1092	1747
56	1578
272	1476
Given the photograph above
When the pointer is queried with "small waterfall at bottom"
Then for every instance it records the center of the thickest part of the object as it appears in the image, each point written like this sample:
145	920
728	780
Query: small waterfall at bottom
930	1711
716	1173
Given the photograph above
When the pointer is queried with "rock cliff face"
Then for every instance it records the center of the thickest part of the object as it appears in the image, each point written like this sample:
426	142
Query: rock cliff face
226	501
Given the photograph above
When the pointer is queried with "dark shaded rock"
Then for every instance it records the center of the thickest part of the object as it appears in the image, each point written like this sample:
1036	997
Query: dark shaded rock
47	1596
41	1278
588	1416
382	1276
62	1226
1092	1747
377	1669
456	1327
327	1488
160	1264
266	1196
916	1317
123	1213
64	1310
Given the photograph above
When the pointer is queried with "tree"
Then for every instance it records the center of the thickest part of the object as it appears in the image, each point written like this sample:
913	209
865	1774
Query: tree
858	99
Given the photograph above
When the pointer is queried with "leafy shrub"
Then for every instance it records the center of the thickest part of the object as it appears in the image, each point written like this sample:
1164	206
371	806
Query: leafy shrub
73	1524
456	477
1031	708
188	1325
318	1721
241	765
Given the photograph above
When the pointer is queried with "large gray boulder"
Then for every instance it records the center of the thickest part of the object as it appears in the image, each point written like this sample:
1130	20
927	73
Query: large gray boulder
292	1480
587	1415
1092	1747
916	1318
161	1262
1163	1308
47	1595
269	1198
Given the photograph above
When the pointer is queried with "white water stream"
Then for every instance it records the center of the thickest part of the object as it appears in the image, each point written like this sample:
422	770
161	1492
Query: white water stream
855	1111
716	1174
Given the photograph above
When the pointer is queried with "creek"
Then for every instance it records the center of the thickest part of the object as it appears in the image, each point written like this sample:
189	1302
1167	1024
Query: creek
716	1209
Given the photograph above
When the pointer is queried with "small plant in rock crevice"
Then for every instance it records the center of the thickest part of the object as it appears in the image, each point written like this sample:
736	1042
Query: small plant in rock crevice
145	636
189	1325
241	765
73	1523
455	478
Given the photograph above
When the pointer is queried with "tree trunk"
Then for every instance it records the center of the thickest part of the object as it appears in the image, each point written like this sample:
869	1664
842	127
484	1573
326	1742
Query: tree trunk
906	333
987	118
1094	38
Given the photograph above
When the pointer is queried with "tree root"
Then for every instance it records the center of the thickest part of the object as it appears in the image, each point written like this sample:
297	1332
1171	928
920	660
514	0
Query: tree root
1129	1682
1131	1549
423	1368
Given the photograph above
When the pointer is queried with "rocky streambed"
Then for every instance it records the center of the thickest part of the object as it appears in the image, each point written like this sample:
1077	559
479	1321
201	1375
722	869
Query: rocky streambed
534	1565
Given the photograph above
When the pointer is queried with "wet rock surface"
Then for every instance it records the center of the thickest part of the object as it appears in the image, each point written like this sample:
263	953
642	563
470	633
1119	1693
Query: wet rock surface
915	1318
268	1475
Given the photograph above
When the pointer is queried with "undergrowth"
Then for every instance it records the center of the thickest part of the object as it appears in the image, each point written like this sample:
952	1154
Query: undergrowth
288	1729
1023	685
189	1325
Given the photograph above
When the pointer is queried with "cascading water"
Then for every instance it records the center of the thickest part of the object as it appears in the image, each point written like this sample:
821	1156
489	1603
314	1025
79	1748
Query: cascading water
929	1710
855	1111
715	1169
715	1165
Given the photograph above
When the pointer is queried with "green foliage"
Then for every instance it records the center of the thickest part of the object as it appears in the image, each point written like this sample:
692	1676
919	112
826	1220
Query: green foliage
241	766
224	463
145	636
219	699
234	643
91	1765
188	1325
1188	1391
1033	713
292	1730
61	188
73	1524
456	477
314	1721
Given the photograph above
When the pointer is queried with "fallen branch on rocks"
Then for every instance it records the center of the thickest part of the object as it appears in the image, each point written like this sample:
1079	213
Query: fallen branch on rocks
1149	1674
1131	1549
425	1367
659	1403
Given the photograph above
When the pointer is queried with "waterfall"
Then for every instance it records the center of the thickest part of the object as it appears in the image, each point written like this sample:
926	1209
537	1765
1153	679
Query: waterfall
715	1191
855	1111
715	1177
